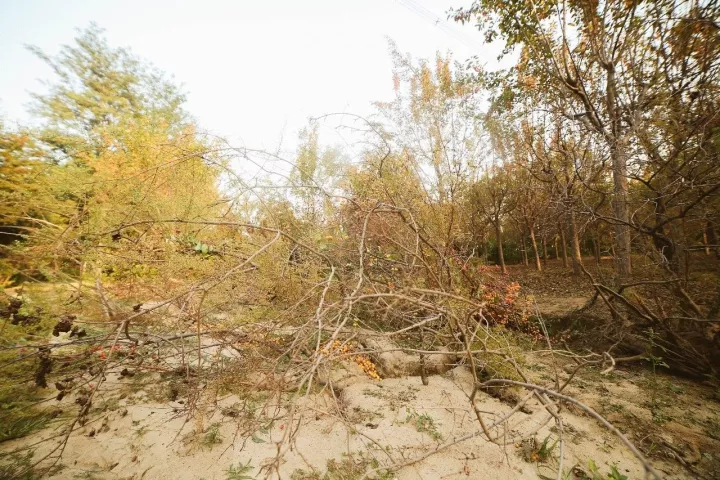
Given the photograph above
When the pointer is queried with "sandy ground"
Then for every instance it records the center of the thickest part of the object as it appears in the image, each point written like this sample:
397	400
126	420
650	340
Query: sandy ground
374	423
355	425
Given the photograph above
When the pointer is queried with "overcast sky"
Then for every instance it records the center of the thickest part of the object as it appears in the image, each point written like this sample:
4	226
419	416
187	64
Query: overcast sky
253	70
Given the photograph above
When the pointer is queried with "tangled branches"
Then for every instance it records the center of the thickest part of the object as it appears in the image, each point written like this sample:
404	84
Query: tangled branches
382	293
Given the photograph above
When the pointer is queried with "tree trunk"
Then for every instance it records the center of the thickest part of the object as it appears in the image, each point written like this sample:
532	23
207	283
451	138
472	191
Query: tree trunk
524	249
555	247
498	237
685	250
596	250
705	242
538	266
545	252
575	244
563	241
623	265
712	237
666	247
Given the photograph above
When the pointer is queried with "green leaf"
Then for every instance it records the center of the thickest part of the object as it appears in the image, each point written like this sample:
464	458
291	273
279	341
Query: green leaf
615	475
239	473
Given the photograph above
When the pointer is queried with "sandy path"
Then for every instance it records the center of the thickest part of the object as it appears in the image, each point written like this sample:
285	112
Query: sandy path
390	421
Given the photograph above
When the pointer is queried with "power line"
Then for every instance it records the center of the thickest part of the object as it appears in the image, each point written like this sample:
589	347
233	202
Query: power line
436	21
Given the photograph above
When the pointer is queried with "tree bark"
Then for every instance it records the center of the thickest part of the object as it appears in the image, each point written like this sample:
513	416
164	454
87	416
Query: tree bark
712	236
623	265
596	250
563	241
498	237
545	250
574	244
666	247
524	249
538	266
705	242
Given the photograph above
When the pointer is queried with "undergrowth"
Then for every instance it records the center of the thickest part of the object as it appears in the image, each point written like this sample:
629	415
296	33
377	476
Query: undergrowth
350	467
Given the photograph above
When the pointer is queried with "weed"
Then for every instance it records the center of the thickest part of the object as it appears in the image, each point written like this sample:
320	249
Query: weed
361	415
395	400
372	393
712	428
23	425
538	453
611	407
18	417
349	468
544	453
577	473
614	474
241	472
656	405
676	388
87	475
424	423
300	474
18	467
660	417
212	436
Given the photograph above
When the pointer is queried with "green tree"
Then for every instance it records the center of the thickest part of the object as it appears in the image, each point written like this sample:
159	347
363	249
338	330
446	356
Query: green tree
19	173
98	87
118	149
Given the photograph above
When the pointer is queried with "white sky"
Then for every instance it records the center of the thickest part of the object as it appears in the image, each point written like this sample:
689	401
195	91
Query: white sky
253	70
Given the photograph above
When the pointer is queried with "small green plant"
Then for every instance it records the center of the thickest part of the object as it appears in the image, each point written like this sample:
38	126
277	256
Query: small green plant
22	425
300	474
18	466
545	451
609	406
676	388
660	417
361	415
577	473
538	453
372	393
212	436
712	428
424	423
351	467
241	472
655	404
19	414
614	474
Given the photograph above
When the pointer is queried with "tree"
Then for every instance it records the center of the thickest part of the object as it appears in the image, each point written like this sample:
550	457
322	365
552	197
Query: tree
616	70
581	68
525	192
490	197
19	175
99	87
116	147
629	94
16	182
434	117
315	176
